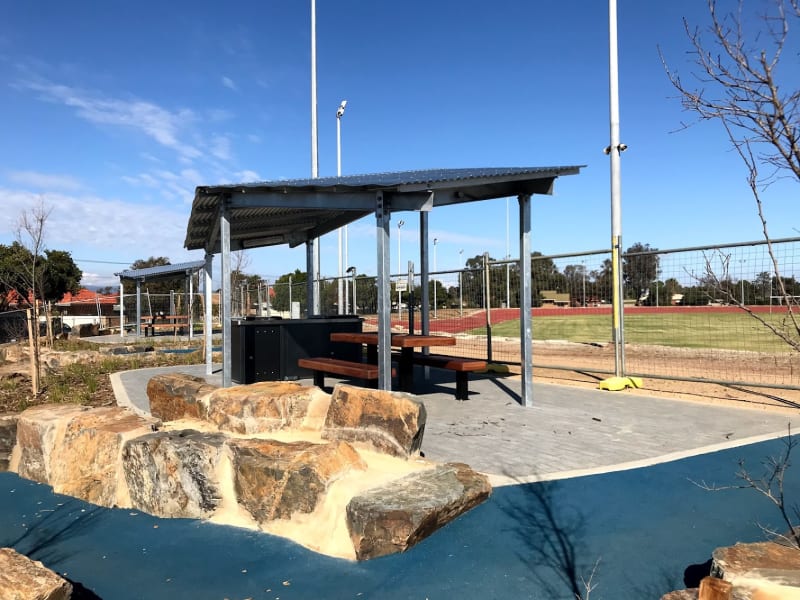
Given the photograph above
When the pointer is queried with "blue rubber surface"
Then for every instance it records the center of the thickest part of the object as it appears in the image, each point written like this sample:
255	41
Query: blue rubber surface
528	541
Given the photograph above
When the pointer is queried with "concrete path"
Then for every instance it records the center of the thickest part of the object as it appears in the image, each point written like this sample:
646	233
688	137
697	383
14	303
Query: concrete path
569	432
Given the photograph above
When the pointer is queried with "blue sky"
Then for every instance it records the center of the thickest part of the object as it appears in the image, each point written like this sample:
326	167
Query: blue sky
113	112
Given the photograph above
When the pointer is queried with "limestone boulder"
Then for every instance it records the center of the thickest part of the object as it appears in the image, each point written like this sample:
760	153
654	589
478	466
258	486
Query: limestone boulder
690	594
38	430
174	473
88	330
53	361
274	480
388	422
177	396
8	439
260	407
24	579
394	517
85	462
12	353
766	567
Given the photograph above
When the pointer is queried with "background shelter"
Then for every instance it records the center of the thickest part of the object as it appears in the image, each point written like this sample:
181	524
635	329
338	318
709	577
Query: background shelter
140	276
294	212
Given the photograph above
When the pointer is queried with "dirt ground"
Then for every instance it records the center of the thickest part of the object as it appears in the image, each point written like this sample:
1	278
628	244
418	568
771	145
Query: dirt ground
683	362
93	387
80	376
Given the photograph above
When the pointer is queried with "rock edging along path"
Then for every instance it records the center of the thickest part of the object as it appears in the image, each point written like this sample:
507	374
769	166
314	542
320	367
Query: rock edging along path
21	577
340	474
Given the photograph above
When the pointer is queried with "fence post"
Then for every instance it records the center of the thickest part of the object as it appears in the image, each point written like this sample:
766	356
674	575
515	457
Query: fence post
460	297
34	357
488	305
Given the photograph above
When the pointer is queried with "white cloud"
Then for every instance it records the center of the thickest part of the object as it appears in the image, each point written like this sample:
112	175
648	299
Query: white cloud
252	137
218	114
229	83
220	147
160	124
45	181
149	157
98	227
247	176
173	186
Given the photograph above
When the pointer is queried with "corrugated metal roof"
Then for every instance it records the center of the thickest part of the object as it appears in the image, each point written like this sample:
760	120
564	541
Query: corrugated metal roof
161	272
392	180
292	211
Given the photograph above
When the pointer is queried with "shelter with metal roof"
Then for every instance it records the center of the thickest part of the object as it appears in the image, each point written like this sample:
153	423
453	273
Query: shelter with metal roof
295	212
159	273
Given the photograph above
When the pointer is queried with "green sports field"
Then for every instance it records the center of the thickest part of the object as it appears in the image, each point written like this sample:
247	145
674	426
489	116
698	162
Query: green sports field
734	331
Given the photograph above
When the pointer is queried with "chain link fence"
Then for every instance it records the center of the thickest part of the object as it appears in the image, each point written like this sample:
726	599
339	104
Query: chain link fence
712	314
699	314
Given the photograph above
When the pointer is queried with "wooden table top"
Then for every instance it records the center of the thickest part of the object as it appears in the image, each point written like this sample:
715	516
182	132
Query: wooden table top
399	340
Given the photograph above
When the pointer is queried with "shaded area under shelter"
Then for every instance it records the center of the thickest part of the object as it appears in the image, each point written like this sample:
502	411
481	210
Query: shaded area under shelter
234	217
159	273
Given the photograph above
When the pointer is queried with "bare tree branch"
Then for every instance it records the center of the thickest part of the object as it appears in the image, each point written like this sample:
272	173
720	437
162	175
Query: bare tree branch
30	234
737	73
770	485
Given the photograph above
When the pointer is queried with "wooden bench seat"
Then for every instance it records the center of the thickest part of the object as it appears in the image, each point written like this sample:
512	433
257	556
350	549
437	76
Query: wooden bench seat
174	322
462	367
325	365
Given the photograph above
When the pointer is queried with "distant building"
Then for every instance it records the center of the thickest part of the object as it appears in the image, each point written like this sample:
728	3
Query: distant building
554	298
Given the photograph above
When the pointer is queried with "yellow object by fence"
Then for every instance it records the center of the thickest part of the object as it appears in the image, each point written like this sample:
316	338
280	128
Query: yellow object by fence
615	384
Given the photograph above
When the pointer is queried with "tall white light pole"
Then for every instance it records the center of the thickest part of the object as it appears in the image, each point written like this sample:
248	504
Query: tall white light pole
314	145
400	224
314	244
342	306
435	241
614	149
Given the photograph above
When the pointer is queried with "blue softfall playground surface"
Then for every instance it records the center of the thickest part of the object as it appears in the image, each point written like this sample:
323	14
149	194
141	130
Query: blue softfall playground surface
639	529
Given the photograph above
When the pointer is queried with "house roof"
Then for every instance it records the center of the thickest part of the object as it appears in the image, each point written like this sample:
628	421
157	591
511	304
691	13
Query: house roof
87	295
162	272
295	211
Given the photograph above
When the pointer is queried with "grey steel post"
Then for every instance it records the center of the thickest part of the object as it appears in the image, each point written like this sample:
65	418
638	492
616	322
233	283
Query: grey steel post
311	275
355	299
487	292
525	320
138	308
207	317
189	305
382	217
121	309
225	278
424	321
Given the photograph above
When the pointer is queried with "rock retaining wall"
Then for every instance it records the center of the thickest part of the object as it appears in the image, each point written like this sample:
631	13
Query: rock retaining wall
340	474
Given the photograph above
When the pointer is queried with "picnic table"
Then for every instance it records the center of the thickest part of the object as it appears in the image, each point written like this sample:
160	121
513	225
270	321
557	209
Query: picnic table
407	357
158	321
